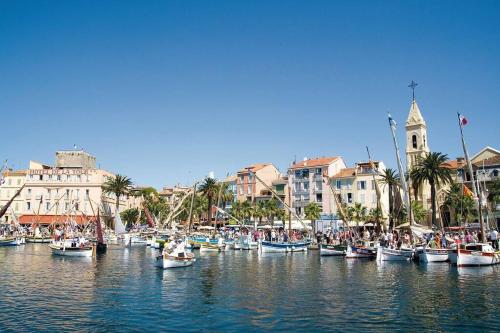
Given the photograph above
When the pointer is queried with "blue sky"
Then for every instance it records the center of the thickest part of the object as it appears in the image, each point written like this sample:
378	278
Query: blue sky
165	91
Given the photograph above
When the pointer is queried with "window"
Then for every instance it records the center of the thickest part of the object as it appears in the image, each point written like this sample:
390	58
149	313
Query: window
47	206
349	184
318	171
58	177
306	186
495	173
339	184
349	197
414	141
67	194
28	205
76	206
41	177
66	206
362	185
249	189
319	186
87	193
319	197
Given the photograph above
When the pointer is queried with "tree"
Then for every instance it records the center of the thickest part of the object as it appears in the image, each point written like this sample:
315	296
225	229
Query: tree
376	215
271	210
313	213
391	179
130	216
119	185
209	189
359	213
494	192
419	213
431	169
259	211
454	199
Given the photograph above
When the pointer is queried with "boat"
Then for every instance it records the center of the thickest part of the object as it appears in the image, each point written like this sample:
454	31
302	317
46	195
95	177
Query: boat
266	246
474	254
211	247
389	254
433	255
9	241
39	239
70	248
178	257
355	252
332	250
236	245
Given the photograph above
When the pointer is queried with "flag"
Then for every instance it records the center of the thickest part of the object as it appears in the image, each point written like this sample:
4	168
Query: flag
463	121
392	122
468	192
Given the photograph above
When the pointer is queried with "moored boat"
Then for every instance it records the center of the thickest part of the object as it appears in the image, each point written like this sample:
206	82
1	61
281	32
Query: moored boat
9	241
71	248
389	254
266	246
474	254
355	252
433	255
332	250
40	239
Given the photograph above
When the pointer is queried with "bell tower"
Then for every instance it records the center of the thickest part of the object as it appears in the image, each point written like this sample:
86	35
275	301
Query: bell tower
416	144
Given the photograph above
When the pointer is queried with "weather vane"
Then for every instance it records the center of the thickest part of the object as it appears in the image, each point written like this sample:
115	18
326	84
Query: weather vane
413	85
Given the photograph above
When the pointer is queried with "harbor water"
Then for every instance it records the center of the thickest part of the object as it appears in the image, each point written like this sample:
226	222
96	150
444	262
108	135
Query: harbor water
123	291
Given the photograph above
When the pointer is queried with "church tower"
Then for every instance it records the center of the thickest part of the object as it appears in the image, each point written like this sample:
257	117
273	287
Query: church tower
417	147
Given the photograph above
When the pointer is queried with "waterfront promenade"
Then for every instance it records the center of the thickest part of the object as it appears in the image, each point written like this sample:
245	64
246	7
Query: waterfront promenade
122	291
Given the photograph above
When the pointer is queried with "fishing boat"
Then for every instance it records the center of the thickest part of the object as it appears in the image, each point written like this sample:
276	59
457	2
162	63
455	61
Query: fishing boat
433	255
39	239
266	246
71	248
176	257
357	252
474	254
236	245
9	241
390	254
332	250
210	246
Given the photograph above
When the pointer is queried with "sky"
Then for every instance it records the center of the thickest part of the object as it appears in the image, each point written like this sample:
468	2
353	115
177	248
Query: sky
167	91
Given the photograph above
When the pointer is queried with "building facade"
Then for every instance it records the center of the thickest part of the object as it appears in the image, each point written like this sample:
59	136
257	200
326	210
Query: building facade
73	187
248	187
359	185
308	182
11	183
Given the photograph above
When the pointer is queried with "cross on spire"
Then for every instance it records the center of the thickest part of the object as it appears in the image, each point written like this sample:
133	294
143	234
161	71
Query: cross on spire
413	85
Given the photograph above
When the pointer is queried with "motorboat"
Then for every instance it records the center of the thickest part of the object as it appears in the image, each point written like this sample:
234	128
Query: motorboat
360	252
391	254
429	254
474	254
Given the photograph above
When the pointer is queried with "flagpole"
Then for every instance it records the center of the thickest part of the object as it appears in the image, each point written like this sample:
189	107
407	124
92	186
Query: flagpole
400	168
475	186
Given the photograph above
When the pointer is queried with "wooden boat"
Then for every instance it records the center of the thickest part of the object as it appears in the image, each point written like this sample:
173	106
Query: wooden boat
332	250
9	241
70	249
210	247
282	247
388	254
39	239
355	252
182	259
433	255
474	254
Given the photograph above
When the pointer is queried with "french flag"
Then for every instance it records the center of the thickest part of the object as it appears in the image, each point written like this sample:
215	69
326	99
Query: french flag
463	121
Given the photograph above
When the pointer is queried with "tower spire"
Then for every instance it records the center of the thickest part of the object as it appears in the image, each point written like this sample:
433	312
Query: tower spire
412	86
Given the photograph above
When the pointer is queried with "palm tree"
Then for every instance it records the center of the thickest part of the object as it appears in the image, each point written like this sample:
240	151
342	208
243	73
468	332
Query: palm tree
391	179
359	213
209	189
119	185
259	211
271	210
313	213
376	215
454	199
246	210
418	211
130	216
431	169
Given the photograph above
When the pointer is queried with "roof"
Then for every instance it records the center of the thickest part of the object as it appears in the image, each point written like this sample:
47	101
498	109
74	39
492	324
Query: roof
495	160
345	173
487	148
255	167
315	162
8	173
48	219
415	117
454	164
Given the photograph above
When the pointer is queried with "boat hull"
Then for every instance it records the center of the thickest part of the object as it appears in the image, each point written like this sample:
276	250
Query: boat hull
174	262
270	247
38	240
332	250
474	258
434	255
359	253
387	254
10	242
71	251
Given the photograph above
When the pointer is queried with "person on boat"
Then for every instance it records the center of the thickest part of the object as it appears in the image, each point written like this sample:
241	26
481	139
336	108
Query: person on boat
494	238
468	237
437	240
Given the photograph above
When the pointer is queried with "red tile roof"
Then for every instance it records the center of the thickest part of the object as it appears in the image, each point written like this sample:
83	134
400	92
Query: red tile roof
315	162
345	173
254	167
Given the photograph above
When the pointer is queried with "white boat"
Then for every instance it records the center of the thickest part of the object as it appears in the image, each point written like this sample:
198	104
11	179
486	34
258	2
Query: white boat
474	254
433	255
209	247
237	244
70	249
283	247
354	252
183	259
40	239
388	254
9	241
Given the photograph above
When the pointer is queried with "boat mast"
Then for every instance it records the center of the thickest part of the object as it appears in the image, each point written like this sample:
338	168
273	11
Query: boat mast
392	125
190	218
377	189
475	185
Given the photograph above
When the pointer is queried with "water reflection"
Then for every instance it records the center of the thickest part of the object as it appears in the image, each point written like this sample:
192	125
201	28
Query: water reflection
241	290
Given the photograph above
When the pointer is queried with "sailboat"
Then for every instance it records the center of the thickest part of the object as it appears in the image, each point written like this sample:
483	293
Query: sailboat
7	239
